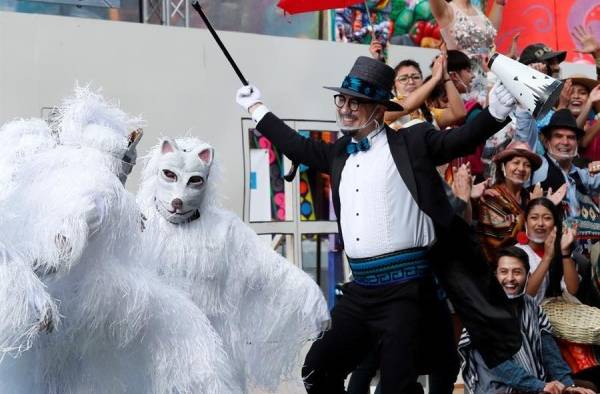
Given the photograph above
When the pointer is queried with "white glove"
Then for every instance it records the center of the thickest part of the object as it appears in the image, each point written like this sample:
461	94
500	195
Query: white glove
502	102
247	96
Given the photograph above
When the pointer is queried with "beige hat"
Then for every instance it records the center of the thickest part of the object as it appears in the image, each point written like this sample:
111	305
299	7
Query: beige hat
519	148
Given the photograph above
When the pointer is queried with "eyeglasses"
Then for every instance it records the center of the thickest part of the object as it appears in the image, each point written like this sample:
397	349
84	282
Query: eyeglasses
353	103
405	78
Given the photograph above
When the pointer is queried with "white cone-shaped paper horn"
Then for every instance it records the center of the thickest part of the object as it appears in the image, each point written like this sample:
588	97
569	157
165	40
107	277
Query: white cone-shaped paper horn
535	91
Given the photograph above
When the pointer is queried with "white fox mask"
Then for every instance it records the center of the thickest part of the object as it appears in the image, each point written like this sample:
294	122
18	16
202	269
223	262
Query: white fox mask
181	183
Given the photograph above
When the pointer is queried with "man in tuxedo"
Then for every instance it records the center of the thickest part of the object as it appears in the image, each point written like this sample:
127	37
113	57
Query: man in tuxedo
401	236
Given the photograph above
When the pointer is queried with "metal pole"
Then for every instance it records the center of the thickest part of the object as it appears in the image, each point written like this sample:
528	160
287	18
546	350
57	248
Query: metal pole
197	7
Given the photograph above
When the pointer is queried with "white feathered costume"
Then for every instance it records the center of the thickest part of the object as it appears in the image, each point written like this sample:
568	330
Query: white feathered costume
71	248
263	307
27	306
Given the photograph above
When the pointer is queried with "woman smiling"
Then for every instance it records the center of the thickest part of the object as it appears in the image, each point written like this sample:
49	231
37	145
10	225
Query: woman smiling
501	214
549	249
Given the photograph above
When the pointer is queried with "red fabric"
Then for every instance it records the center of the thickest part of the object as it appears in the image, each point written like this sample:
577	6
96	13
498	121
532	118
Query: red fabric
579	357
547	21
298	6
522	238
592	152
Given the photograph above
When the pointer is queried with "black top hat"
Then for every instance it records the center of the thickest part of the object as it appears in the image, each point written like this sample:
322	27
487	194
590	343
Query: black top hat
371	80
535	53
562	119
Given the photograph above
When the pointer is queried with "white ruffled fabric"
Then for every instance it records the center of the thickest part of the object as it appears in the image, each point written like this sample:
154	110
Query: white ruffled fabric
263	307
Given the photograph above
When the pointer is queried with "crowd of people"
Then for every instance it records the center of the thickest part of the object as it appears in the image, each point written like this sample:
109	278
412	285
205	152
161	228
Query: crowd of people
524	189
463	216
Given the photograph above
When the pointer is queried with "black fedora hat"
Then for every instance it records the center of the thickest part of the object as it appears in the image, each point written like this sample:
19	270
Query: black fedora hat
371	80
562	119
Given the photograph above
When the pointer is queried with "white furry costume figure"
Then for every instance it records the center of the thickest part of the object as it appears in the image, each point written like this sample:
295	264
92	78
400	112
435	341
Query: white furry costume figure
71	249
32	307
263	307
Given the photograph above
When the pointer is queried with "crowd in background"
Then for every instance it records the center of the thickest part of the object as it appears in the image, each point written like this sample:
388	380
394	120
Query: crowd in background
531	192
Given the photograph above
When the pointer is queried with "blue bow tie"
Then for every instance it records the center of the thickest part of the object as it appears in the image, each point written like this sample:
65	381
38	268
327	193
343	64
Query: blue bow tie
362	145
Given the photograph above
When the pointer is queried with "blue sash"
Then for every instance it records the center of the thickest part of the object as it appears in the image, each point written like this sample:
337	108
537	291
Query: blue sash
397	267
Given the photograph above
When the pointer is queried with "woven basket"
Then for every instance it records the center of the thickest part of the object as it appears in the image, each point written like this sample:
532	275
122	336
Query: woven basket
574	322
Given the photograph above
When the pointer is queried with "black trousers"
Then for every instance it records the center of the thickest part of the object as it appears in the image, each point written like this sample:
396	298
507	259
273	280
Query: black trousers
405	321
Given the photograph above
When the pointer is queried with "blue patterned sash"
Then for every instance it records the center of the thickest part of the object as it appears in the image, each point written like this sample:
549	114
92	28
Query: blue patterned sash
397	267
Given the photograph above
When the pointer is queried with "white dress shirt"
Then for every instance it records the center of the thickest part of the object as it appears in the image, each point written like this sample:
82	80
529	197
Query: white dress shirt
378	213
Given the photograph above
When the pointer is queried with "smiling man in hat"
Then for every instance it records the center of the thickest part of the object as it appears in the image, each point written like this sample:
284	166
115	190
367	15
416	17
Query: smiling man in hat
399	230
561	138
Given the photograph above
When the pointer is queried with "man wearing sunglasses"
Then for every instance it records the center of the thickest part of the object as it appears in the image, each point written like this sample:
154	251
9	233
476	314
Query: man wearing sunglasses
398	230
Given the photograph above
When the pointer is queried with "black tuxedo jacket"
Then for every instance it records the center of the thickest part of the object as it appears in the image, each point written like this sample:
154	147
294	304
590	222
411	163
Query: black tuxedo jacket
456	256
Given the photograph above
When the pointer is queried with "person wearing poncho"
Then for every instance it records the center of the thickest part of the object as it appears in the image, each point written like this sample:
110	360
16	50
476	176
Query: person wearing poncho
538	365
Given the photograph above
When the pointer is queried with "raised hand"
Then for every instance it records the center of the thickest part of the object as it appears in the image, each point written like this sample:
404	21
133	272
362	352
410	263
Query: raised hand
537	192
549	245
437	71
462	182
587	42
376	49
565	94
567	239
512	53
594	167
558	195
478	189
247	96
501	102
595	94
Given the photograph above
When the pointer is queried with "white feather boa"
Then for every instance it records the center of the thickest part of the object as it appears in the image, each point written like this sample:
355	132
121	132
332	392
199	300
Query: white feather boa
264	308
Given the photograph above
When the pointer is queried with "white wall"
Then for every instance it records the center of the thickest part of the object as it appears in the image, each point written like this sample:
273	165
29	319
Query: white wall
175	77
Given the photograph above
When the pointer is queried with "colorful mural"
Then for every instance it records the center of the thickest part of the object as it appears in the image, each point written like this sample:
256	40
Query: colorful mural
549	21
400	22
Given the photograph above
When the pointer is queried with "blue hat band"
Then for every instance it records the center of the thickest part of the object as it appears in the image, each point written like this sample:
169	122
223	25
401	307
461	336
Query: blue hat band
365	88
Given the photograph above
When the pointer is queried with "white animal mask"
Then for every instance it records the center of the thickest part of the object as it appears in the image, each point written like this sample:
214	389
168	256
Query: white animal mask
181	180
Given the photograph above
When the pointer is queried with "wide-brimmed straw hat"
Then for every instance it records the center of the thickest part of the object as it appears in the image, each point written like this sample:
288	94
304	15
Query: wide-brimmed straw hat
371	80
521	149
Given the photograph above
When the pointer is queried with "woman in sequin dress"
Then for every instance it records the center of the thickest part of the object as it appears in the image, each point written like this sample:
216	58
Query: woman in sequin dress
466	28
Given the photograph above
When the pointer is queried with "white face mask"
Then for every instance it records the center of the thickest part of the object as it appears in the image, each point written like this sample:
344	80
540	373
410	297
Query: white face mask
533	238
520	293
181	184
562	155
346	130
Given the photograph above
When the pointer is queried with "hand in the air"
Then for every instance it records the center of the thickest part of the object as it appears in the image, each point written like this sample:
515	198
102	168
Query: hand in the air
247	96
502	102
376	49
